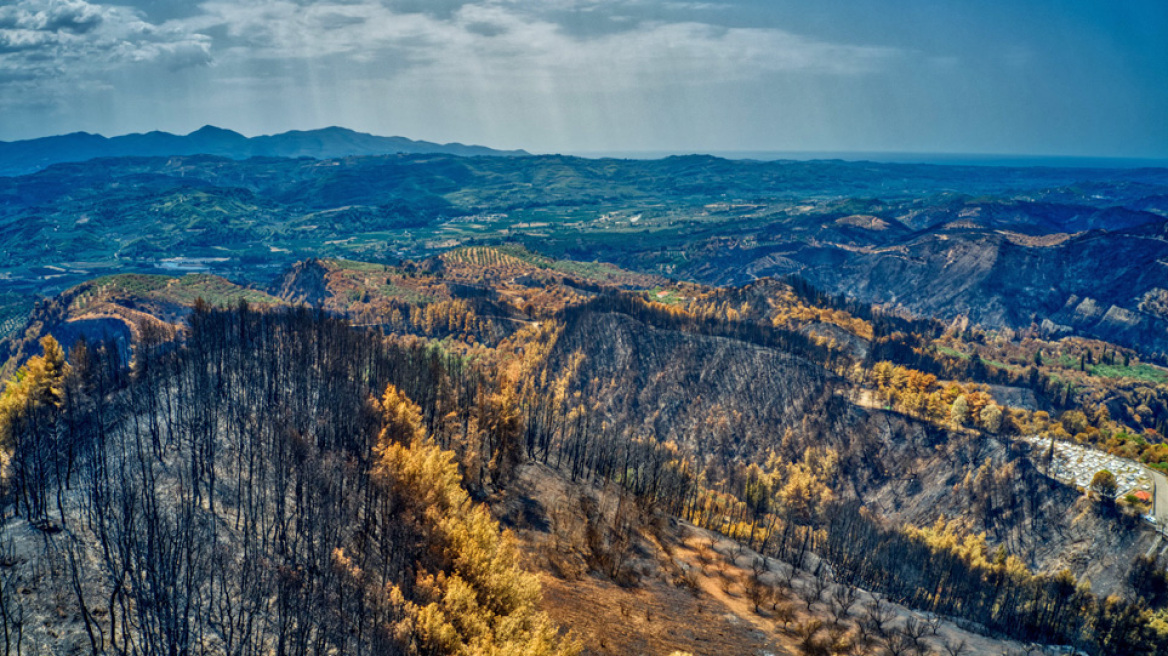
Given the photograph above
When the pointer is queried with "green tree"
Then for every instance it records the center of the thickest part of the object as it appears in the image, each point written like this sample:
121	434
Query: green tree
959	412
1104	484
806	490
29	412
991	417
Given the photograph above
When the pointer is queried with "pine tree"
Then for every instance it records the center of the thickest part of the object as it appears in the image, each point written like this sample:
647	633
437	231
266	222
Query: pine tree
959	412
480	600
29	412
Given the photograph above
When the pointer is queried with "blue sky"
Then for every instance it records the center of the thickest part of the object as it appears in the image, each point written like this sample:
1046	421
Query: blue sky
1027	77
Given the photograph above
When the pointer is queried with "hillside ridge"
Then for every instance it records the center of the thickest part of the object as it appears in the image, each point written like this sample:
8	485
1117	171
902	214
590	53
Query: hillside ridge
30	155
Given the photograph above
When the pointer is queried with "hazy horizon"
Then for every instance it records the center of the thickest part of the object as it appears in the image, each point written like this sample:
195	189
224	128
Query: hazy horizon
937	158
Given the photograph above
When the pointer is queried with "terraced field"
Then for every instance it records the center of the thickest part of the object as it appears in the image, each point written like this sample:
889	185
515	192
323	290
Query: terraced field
182	290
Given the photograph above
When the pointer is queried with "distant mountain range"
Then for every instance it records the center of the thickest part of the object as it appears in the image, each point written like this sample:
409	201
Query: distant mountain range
23	157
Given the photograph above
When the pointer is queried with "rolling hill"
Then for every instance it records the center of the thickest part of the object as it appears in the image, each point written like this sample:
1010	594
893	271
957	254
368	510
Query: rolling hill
721	445
1075	251
28	156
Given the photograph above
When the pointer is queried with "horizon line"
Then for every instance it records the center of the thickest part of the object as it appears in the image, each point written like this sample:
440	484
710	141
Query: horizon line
890	157
952	158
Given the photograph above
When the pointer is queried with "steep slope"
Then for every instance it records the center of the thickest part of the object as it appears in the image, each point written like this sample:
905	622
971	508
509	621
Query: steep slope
193	513
729	402
712	394
761	413
994	278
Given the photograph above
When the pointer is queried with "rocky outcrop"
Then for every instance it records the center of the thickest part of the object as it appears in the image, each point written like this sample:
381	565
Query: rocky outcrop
304	283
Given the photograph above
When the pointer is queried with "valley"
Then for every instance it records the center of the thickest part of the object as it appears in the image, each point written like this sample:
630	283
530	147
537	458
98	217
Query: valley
819	421
581	328
735	403
1003	248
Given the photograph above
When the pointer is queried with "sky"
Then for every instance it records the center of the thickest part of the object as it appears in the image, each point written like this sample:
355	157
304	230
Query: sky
1022	77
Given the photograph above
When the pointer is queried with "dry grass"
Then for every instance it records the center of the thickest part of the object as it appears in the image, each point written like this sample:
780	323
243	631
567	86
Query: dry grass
655	618
693	590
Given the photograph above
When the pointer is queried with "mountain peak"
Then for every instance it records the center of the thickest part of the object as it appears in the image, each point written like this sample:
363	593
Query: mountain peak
211	130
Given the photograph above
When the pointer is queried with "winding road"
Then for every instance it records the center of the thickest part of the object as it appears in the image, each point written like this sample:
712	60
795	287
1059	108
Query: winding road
1159	498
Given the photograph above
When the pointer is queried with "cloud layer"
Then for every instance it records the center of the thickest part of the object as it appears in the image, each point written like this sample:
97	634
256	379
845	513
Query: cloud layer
548	74
476	59
59	40
510	45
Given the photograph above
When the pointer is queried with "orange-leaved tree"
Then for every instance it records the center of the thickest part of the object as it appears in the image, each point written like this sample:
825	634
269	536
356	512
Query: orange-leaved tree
472	597
29	409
